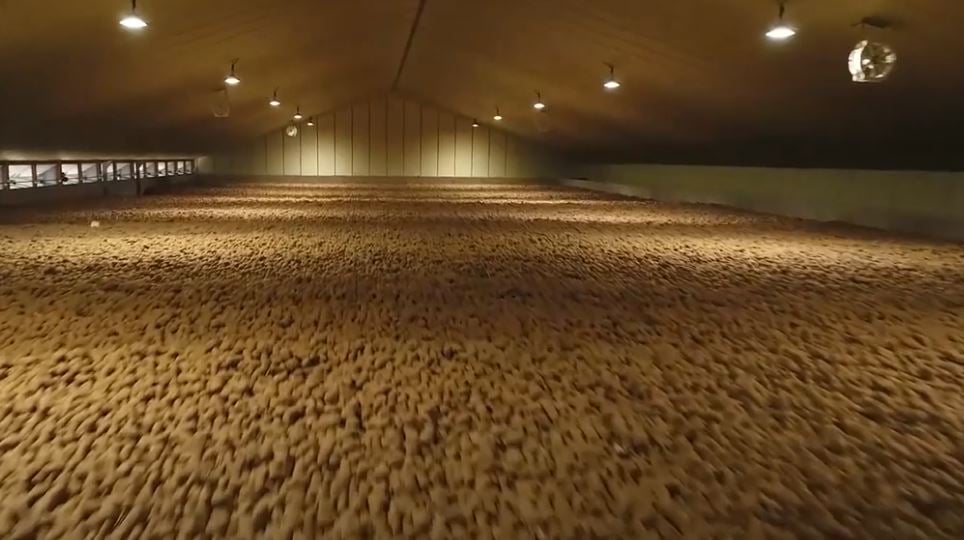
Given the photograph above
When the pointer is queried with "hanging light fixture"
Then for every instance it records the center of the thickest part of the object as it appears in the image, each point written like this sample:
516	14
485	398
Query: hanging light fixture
611	82
133	21
539	105
498	115
311	121
232	79
475	123
870	61
781	31
275	102
298	115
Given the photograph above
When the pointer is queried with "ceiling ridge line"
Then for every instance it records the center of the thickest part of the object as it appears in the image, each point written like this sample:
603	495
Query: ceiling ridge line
408	44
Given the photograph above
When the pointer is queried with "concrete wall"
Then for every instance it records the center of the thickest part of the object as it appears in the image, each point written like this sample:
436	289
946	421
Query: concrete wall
929	203
93	190
390	136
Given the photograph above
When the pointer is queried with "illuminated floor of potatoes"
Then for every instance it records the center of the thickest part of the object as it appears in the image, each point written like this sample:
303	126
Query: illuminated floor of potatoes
440	360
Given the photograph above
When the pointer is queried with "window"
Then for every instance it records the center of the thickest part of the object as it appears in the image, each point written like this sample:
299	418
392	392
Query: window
107	171
88	172
20	176
70	173
124	170
47	174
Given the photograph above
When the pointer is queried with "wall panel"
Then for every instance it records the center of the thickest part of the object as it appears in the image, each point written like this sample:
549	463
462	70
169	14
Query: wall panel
413	139
446	144
309	150
396	137
429	141
378	137
480	151
512	156
258	156
390	136
463	147
497	154
276	158
292	150
343	144
360	141
326	144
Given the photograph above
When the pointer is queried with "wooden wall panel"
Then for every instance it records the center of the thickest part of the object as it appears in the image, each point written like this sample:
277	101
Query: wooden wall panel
309	150
276	158
343	144
446	144
360	142
496	154
378	137
463	147
326	144
413	139
429	141
396	137
480	151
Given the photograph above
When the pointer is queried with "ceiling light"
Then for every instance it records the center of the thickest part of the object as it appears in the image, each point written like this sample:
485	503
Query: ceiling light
232	79
297	115
539	105
132	21
275	102
475	123
611	82
311	122
781	31
498	115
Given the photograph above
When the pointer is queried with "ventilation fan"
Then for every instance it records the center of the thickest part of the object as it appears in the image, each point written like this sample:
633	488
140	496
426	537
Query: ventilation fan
221	104
871	62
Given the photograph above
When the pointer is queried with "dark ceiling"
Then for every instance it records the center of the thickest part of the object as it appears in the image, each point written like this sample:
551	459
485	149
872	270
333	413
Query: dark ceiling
700	82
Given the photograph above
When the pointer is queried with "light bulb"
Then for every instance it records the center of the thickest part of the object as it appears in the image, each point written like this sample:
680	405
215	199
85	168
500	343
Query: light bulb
539	105
232	79
133	22
781	32
611	83
274	102
497	118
